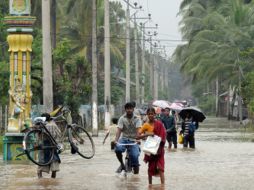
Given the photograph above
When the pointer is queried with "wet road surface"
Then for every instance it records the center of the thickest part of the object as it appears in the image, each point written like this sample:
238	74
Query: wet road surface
223	160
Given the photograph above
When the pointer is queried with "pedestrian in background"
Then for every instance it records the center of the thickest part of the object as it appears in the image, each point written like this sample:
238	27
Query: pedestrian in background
188	130
111	132
169	123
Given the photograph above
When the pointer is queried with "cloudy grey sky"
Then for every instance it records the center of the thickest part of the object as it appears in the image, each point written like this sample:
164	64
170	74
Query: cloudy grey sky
164	13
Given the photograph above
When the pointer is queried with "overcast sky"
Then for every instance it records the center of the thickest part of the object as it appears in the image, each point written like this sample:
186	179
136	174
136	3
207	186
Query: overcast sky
164	13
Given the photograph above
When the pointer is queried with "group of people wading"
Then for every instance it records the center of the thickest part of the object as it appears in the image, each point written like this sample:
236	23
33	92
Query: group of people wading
131	128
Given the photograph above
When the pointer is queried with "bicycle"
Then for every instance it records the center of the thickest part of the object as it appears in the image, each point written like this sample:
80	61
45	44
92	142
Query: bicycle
127	162
40	146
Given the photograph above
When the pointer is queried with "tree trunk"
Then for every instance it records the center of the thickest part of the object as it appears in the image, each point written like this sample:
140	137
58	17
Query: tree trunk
240	107
217	97
53	23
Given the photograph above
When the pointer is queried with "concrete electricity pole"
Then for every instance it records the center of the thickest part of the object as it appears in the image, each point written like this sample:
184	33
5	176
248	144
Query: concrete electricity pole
47	57
94	71
143	66
107	68
128	81
136	62
127	91
156	68
137	73
151	89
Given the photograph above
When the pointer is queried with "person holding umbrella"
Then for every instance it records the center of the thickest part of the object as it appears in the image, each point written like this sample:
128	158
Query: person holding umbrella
191	117
188	130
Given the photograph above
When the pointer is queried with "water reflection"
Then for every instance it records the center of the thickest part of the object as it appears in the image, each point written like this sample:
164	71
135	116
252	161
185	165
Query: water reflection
156	187
222	160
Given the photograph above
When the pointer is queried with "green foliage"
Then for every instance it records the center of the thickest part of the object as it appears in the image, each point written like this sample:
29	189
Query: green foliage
206	103
4	87
248	90
72	77
117	92
220	42
36	67
4	56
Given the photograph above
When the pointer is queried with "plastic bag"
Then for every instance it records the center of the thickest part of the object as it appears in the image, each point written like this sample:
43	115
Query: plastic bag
151	145
180	138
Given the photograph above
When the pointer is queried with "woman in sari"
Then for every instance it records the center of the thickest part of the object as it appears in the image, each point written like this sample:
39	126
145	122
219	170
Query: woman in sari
156	162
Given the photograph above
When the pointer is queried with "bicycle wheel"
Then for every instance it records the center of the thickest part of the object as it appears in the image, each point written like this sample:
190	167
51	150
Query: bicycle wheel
81	141
39	147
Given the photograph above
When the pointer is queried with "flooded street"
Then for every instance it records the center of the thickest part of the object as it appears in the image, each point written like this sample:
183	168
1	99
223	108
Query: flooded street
223	160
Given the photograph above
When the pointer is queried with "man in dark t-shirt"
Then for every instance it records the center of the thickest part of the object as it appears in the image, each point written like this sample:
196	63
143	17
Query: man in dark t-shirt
169	123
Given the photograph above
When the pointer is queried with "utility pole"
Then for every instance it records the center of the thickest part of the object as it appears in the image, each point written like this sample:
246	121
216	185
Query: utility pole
107	68
47	57
137	74
136	62
94	71
151	89
128	81
127	91
143	66
143	28
156	71
155	76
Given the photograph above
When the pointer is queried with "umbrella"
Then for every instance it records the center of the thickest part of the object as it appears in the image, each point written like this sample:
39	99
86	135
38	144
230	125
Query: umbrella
195	112
161	103
176	106
157	110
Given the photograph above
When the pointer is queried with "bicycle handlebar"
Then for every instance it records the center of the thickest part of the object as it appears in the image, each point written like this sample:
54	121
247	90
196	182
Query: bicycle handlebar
128	144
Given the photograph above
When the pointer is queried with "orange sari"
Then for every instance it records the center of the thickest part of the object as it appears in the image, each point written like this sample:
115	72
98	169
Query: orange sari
146	128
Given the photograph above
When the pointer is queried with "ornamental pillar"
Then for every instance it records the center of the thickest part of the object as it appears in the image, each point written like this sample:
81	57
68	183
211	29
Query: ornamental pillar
20	47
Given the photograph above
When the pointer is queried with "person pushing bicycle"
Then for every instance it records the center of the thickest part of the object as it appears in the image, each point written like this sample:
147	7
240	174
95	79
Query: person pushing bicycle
128	126
56	134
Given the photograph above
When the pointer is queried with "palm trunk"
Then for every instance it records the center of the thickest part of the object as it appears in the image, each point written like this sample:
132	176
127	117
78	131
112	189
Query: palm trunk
217	97
240	110
53	23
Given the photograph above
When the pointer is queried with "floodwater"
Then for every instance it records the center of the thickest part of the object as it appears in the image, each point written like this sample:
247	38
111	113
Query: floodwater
223	160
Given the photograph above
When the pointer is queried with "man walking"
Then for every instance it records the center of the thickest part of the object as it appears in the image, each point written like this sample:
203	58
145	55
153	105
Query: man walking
169	123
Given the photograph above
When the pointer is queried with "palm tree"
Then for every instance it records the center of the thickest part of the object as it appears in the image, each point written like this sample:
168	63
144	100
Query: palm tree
217	36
